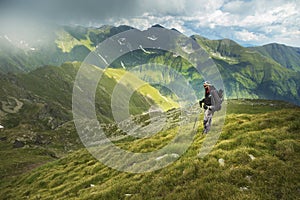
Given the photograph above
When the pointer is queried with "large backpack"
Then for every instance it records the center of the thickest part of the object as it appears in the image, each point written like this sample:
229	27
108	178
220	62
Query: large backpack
217	99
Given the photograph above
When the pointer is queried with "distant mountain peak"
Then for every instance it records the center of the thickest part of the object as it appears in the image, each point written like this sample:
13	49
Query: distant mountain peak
125	27
160	26
194	37
157	26
275	45
174	29
229	42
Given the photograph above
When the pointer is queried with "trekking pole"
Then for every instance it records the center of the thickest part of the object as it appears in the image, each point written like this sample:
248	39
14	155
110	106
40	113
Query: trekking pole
196	119
195	122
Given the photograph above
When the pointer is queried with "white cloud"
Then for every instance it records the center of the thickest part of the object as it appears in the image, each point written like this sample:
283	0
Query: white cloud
261	22
275	14
147	20
247	36
254	21
234	7
257	21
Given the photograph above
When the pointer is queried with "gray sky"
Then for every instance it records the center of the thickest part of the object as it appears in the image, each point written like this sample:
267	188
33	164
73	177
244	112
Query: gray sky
245	21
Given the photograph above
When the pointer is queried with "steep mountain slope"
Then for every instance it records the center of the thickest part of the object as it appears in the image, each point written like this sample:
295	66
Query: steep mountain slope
256	157
55	85
288	57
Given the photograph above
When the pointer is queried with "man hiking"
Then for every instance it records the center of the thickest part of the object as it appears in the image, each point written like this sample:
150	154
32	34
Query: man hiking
212	102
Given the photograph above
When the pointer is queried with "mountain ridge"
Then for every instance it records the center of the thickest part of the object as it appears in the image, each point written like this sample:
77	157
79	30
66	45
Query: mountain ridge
89	37
287	56
249	71
241	68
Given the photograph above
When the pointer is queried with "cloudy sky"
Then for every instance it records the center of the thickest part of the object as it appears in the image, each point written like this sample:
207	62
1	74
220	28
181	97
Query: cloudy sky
249	22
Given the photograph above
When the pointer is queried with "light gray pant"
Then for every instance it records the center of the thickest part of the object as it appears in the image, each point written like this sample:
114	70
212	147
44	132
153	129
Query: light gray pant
208	114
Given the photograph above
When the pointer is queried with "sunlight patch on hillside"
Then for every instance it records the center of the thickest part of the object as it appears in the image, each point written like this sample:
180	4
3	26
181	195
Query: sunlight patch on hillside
66	42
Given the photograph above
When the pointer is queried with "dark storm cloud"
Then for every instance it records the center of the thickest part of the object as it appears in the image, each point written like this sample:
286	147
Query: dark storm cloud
68	10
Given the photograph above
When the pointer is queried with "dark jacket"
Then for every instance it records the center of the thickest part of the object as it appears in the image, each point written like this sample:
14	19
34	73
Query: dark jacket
207	100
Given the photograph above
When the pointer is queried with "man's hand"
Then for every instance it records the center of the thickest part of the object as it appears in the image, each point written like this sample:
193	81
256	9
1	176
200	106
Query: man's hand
205	107
200	103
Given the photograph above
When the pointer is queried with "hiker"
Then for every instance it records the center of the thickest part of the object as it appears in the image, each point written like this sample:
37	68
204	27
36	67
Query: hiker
212	102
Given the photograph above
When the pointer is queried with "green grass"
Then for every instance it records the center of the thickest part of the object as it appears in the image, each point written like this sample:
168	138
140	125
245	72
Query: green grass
255	106
40	147
142	87
269	134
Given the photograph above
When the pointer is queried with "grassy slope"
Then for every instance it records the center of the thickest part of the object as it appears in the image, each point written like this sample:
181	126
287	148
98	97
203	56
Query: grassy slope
43	124
248	74
267	130
144	88
55	84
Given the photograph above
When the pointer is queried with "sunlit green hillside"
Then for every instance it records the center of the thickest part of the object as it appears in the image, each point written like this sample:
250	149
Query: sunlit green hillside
36	111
